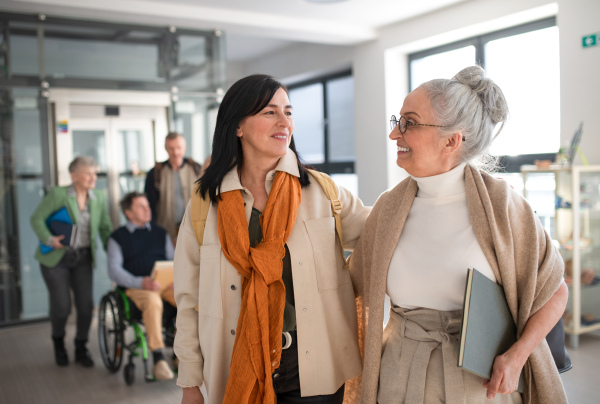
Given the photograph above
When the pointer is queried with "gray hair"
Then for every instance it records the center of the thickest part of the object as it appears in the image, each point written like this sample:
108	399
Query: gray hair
173	136
472	103
82	161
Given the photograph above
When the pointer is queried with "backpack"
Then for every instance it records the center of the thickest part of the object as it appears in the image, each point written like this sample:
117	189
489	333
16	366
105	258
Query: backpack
200	206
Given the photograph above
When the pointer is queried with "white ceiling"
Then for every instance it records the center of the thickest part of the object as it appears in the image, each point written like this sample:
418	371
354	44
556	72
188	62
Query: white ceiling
253	27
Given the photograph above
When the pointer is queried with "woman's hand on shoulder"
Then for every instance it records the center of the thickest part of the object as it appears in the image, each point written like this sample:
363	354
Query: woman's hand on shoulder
192	395
505	374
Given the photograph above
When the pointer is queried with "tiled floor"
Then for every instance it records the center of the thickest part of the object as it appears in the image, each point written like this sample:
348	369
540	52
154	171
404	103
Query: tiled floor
28	374
582	383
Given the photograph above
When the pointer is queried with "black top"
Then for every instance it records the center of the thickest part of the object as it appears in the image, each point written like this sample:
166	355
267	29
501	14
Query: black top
289	312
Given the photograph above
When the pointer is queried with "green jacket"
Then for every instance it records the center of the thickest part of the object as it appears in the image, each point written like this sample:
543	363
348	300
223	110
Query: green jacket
56	199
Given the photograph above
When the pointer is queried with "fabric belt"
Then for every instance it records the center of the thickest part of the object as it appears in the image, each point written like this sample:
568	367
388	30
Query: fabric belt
417	347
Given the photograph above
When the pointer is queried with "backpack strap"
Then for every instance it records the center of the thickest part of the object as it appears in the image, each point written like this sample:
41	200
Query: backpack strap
200	206
199	212
331	190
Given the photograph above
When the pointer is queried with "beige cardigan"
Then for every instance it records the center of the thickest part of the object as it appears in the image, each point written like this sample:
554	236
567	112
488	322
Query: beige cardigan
325	304
518	249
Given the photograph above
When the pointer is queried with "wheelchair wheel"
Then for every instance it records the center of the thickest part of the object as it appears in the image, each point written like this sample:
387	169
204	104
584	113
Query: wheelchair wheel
110	331
129	373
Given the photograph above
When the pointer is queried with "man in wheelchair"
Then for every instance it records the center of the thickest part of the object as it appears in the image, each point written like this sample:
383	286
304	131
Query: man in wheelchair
132	251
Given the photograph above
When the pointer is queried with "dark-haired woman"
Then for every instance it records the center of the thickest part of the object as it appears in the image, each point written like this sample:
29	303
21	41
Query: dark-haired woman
421	237
266	309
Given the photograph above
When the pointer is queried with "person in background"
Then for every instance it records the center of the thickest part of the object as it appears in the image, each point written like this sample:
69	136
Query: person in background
266	309
70	268
132	251
424	234
169	185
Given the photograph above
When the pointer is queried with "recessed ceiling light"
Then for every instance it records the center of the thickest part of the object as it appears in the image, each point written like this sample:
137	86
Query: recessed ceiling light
325	1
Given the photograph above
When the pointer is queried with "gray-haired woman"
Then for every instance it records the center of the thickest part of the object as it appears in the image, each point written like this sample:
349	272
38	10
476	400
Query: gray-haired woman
422	236
67	268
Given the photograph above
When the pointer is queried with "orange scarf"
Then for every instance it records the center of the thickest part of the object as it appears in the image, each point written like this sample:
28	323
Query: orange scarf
257	346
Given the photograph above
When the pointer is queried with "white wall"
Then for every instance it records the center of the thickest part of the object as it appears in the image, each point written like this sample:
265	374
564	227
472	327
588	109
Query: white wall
381	77
302	61
580	75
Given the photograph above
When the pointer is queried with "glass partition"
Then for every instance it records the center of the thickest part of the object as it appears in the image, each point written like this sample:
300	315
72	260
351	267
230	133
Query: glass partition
116	55
27	129
23	294
340	119
55	52
91	143
34	293
195	119
309	132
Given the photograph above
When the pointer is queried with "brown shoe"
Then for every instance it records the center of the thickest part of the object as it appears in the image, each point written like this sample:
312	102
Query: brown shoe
162	371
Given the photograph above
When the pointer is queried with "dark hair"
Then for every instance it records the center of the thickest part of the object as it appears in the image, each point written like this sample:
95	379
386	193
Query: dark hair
245	98
127	201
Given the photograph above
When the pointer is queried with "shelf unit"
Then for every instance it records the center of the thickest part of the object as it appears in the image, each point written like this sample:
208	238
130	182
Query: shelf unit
571	214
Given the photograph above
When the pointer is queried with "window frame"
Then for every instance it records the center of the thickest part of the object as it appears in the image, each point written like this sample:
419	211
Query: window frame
329	167
509	164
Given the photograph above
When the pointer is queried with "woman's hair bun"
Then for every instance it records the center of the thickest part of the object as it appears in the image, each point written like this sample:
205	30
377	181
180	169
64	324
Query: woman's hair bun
488	92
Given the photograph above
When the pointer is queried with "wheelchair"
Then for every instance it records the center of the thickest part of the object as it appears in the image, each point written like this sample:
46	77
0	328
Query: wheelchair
115	314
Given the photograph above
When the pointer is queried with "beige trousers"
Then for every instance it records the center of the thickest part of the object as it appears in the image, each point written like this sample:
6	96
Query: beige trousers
150	304
419	361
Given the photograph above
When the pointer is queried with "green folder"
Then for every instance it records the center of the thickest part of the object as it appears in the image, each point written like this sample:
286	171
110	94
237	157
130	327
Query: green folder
488	329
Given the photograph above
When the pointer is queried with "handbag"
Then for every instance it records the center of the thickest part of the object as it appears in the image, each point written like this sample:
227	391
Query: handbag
556	342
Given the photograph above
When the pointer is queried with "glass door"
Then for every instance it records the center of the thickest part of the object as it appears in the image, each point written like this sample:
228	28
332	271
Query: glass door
124	150
23	294
134	155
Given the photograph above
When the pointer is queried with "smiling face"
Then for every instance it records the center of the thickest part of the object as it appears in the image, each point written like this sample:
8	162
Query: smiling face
420	150
85	177
267	135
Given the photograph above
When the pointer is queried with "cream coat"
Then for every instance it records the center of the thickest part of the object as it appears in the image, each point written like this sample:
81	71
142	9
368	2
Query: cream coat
515	244
325	304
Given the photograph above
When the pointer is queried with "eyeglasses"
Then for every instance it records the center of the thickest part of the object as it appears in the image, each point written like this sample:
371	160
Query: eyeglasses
404	124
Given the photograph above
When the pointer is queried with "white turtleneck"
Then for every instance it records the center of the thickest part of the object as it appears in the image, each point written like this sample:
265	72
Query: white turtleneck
436	247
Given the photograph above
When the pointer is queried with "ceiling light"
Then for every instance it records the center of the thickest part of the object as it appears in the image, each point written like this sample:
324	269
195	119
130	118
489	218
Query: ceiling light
325	1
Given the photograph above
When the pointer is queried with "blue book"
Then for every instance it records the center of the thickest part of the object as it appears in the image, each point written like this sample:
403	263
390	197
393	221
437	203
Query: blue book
60	223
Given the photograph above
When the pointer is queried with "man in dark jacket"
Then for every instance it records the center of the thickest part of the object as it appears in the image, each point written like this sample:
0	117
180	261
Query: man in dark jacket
170	184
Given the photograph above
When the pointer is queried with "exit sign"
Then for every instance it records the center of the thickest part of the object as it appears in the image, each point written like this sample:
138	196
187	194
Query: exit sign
590	40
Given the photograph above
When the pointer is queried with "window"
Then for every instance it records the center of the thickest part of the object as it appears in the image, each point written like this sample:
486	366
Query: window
524	62
324	126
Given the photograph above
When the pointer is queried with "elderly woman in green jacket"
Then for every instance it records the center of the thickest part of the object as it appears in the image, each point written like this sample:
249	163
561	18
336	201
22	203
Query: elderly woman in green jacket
68	268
